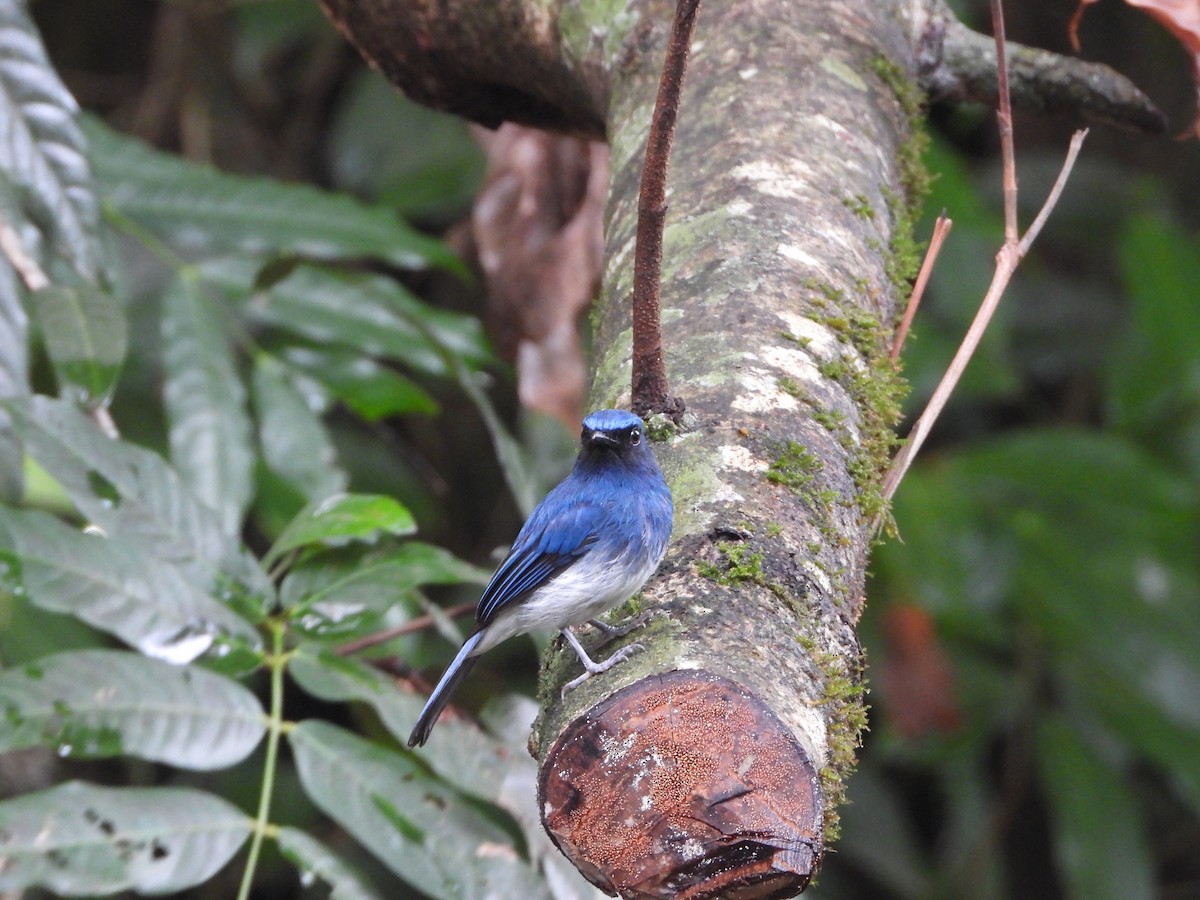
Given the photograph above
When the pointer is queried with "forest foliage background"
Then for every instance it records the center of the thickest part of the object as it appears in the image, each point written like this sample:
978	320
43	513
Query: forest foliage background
1032	635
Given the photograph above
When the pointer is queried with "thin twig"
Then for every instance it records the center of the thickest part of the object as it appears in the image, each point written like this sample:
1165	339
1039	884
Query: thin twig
417	624
24	264
1052	198
1004	120
1007	260
1006	263
649	378
941	228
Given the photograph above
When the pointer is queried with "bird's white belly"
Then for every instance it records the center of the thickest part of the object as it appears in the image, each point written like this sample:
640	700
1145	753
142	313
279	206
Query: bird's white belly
582	592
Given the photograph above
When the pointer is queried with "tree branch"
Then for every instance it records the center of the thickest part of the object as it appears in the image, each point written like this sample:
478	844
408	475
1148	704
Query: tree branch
956	63
649	390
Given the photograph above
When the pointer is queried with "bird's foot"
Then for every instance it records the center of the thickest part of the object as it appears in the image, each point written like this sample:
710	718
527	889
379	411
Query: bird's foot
593	668
612	632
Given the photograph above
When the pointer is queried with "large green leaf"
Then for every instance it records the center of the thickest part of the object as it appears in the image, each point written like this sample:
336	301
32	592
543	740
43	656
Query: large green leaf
316	861
113	585
372	390
344	519
43	154
295	443
109	702
372	314
1099	841
201	207
495	769
205	402
460	752
339	593
426	833
134	495
1155	385
83	328
81	840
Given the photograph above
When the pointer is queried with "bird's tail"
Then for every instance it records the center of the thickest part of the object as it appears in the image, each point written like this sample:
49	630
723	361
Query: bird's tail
450	680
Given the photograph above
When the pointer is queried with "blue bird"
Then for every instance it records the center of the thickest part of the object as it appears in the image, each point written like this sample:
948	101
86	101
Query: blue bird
590	544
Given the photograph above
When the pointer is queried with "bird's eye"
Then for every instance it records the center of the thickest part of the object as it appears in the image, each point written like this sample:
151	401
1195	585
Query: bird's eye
635	436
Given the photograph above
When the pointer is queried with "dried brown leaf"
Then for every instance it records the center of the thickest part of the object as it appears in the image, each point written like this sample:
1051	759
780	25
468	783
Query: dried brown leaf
537	228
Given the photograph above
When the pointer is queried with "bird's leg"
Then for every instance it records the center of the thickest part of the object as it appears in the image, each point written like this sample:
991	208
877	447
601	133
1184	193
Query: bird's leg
611	632
593	668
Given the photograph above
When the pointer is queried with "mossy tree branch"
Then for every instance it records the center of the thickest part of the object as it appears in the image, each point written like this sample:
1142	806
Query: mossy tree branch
713	762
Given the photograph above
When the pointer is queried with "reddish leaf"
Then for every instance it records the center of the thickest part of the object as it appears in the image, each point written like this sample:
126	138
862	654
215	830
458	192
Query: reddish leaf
916	680
1180	17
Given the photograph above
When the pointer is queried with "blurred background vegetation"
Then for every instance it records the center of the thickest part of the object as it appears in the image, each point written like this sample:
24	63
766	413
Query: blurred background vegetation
1034	634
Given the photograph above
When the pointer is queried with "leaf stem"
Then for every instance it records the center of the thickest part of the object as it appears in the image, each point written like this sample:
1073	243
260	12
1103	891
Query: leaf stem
151	242
276	661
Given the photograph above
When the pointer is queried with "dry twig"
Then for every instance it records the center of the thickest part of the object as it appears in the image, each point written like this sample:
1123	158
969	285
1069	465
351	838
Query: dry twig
1013	250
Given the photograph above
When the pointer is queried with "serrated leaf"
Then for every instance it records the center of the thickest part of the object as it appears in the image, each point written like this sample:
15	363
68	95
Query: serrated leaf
339	594
317	862
114	586
200	207
43	152
205	401
372	391
425	832
82	840
1099	841
295	443
369	313
109	702
473	760
83	328
134	495
459	752
14	375
344	519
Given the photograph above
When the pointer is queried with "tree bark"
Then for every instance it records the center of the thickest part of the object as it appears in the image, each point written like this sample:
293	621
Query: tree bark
712	762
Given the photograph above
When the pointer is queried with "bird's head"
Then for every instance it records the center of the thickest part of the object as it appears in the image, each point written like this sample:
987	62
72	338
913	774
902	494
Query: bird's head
613	432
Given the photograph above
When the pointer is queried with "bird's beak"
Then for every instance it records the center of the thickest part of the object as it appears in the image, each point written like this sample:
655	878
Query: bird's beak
600	439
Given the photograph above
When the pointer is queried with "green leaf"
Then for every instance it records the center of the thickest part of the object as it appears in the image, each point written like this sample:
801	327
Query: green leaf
316	861
1099	840
372	152
370	314
295	444
460	752
81	840
518	473
112	585
14	379
83	328
134	495
1155	382
44	155
108	702
205	402
344	519
337	594
425	832
371	390
202	208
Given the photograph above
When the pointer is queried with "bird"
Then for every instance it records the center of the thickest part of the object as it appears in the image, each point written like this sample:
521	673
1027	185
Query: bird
591	544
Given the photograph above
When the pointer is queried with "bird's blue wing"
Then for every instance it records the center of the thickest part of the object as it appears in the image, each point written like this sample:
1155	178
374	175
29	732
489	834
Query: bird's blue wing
554	537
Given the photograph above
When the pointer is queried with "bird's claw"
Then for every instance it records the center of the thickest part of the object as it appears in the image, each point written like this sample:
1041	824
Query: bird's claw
596	668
